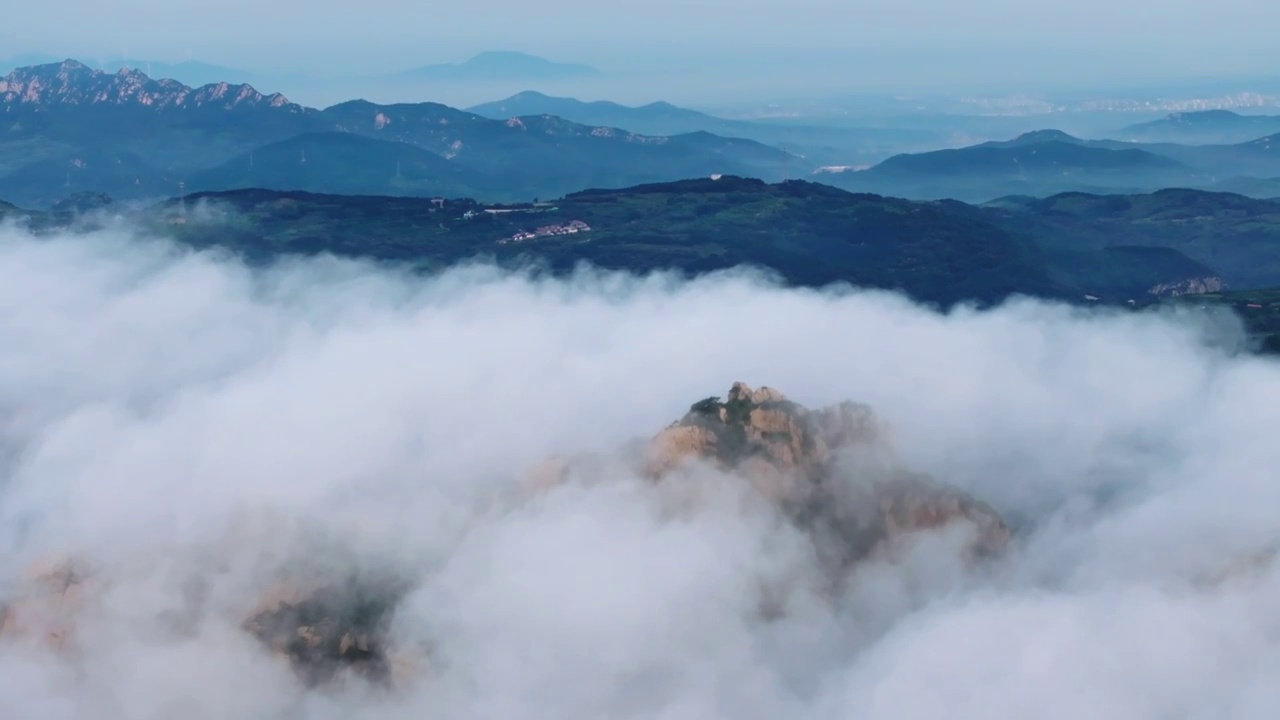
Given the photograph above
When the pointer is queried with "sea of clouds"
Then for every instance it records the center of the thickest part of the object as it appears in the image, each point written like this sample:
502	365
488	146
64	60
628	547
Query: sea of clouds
188	427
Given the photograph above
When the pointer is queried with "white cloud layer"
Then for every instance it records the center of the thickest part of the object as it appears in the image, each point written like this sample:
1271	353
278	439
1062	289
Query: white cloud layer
187	427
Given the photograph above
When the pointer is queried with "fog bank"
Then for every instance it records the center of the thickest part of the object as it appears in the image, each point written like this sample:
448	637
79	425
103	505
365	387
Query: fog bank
190	429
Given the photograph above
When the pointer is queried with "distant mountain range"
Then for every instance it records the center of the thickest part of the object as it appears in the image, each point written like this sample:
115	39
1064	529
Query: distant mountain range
485	66
70	129
1040	162
510	66
818	144
1205	127
46	88
1046	162
67	129
656	118
189	72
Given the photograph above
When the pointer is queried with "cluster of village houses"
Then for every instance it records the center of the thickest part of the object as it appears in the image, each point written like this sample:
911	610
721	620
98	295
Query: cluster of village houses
572	228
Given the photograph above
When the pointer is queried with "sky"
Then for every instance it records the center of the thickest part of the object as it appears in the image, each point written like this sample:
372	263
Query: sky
186	428
864	43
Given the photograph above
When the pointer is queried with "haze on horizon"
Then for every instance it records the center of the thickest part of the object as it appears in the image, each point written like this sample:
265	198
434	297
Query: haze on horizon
806	45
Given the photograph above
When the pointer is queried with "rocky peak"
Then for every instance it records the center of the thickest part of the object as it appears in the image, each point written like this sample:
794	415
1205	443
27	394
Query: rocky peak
833	470
71	83
324	628
753	426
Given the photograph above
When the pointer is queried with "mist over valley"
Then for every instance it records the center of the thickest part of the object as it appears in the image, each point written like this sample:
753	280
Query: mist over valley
690	363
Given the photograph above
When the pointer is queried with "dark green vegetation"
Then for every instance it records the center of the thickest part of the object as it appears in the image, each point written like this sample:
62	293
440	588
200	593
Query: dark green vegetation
341	163
808	234
45	183
68	129
1258	309
1236	236
1077	247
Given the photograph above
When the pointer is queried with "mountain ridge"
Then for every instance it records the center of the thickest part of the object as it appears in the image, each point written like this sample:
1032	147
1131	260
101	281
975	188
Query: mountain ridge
65	112
72	83
820	144
1133	248
1048	161
1203	127
532	102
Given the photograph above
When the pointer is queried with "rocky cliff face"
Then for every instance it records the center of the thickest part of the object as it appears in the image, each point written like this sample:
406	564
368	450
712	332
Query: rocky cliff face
74	84
762	426
323	629
830	469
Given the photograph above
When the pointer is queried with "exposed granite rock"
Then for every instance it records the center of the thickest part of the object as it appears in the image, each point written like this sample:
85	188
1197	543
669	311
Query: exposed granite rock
832	471
72	83
322	629
800	459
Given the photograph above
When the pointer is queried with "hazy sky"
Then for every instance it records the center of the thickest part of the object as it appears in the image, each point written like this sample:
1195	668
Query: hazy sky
1096	37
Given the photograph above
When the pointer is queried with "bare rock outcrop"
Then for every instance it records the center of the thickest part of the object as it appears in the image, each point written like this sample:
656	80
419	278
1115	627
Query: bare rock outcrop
831	470
763	425
325	629
806	460
321	629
